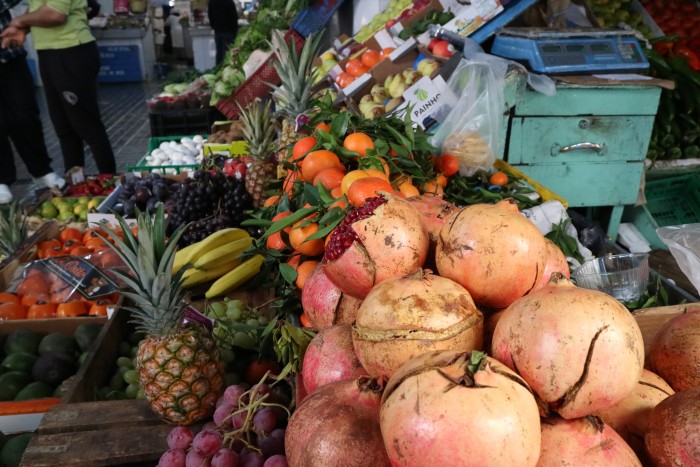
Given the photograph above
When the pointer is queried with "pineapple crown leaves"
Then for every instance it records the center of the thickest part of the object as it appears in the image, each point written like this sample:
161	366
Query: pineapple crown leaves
294	68
13	229
149	256
258	128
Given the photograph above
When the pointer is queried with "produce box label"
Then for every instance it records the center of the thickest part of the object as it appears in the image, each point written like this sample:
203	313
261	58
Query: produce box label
470	18
426	96
80	274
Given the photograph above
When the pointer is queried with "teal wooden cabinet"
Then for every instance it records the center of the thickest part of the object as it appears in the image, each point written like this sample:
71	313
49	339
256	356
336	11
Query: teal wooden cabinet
586	143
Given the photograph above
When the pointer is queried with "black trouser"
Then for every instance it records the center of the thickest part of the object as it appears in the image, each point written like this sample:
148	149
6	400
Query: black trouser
20	122
223	40
70	85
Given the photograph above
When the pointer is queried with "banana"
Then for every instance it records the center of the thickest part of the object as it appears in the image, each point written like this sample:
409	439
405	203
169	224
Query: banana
236	278
194	276
181	256
215	240
223	254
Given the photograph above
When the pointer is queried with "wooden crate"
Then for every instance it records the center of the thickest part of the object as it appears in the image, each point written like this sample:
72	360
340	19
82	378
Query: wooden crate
93	434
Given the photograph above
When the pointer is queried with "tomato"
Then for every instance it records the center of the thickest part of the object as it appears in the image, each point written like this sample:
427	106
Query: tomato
257	369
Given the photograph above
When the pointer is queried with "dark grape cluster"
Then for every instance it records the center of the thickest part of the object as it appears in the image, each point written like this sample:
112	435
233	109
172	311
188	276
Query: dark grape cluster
144	193
248	430
213	201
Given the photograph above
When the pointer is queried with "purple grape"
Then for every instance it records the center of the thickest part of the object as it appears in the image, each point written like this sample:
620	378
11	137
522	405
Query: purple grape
209	426
220	401
271	445
280	415
173	458
195	460
233	393
221	415
238	420
278	432
224	458
278	460
180	437
265	420
262	389
206	443
237	446
252	459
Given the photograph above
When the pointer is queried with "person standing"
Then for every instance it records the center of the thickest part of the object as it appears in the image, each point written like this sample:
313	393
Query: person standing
69	63
19	118
223	18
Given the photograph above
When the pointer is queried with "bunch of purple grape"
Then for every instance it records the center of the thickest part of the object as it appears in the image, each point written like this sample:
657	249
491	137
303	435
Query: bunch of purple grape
248	431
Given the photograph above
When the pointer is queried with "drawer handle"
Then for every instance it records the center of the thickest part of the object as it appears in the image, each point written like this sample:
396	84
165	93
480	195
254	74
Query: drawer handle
599	148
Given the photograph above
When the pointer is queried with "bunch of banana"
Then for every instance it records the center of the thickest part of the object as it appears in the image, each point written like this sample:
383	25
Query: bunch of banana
213	257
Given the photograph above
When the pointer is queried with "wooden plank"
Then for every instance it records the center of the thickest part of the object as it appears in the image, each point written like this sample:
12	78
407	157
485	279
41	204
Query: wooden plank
98	448
104	415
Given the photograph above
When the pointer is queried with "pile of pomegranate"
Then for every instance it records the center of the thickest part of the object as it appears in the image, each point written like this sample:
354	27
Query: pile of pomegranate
408	295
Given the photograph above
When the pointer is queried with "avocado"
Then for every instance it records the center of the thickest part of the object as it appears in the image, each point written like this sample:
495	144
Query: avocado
53	368
11	383
57	343
11	453
22	341
35	390
85	335
19	361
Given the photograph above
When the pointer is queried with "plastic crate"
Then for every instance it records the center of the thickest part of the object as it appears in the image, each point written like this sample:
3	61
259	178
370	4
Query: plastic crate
183	122
314	18
670	201
257	84
153	143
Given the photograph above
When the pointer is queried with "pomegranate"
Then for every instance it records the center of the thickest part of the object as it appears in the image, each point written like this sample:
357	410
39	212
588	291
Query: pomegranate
434	212
490	322
570	344
555	262
456	408
404	317
338	424
673	436
493	251
630	417
383	238
330	357
583	441
324	303
675	351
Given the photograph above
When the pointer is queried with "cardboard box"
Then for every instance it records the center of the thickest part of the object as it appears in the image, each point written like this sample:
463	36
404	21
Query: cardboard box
233	149
471	17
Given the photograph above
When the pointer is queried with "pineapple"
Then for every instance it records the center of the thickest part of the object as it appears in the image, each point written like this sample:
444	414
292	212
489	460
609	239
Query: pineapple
13	230
259	133
180	366
293	97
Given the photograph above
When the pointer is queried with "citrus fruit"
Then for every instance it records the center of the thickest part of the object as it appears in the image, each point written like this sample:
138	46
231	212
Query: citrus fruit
316	161
367	187
358	142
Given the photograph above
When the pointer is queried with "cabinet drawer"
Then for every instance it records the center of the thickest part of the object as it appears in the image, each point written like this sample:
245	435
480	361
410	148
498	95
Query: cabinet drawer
591	100
551	140
602	184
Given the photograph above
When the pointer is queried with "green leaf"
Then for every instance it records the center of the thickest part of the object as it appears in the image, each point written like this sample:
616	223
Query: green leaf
288	272
662	293
322	232
324	195
339	124
311	194
476	359
287	221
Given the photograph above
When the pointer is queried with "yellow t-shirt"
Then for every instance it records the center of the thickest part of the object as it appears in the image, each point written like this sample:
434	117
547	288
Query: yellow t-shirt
74	31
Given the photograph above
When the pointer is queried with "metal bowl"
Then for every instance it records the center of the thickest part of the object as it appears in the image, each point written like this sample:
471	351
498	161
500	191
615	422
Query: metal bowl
624	276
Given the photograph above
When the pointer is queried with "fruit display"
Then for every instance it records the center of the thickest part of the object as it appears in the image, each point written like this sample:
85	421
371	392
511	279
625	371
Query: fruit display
233	133
679	19
14	229
93	185
34	366
610	13
69	208
188	151
421	26
395	11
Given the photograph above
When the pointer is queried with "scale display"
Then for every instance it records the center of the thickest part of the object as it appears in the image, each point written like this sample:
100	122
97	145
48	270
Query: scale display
571	51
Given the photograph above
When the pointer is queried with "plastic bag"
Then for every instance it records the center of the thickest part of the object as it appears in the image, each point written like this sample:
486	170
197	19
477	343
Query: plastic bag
684	243
471	129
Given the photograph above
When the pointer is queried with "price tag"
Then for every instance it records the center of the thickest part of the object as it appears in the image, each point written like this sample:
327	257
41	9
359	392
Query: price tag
426	96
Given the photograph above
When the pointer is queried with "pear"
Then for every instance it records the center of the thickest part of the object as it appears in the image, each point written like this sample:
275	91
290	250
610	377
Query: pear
412	76
428	66
372	110
398	86
380	94
392	104
389	79
328	55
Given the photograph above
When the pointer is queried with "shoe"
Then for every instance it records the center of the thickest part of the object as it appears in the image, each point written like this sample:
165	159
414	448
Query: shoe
52	180
5	194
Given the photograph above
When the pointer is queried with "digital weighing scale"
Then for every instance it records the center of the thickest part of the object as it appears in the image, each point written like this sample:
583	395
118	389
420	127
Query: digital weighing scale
571	51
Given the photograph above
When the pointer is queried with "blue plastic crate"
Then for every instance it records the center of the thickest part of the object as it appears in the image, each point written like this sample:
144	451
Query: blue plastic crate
314	18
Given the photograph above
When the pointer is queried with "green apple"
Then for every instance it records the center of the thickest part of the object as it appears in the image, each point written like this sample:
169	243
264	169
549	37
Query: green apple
79	208
48	210
66	216
84	200
94	202
83	216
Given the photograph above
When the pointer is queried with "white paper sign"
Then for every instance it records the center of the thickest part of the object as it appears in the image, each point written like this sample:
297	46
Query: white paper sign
472	17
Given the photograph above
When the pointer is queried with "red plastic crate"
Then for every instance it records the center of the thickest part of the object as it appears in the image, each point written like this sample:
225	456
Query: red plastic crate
256	85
